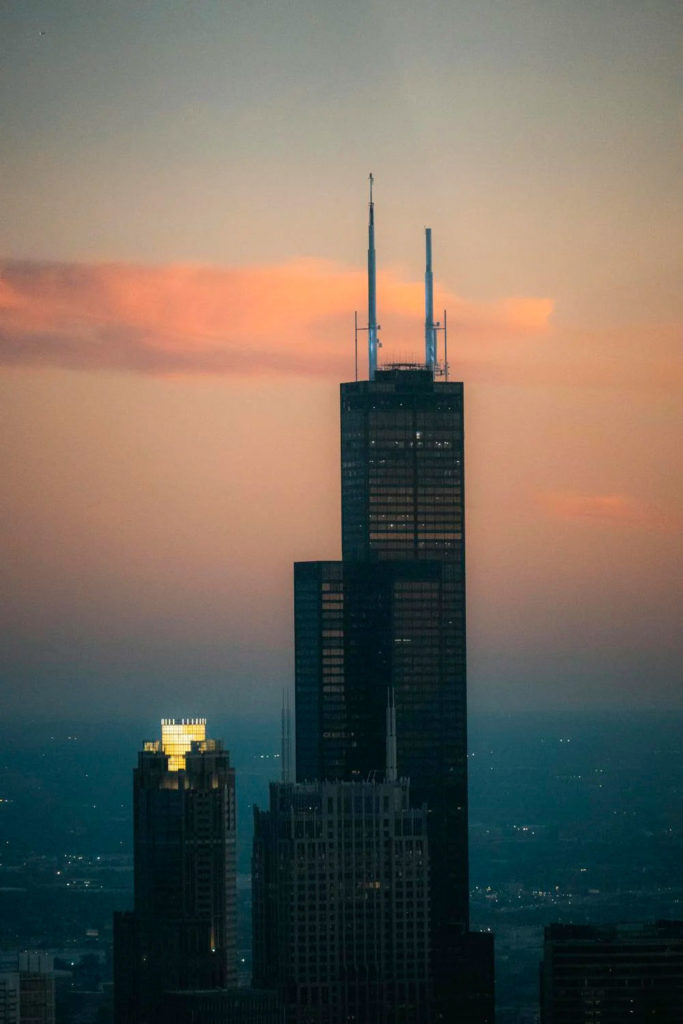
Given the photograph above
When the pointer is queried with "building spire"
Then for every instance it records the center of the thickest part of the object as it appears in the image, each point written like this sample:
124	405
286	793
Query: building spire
430	329
372	290
391	770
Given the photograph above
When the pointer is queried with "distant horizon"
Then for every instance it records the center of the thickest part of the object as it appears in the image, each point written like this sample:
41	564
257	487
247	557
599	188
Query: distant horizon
273	720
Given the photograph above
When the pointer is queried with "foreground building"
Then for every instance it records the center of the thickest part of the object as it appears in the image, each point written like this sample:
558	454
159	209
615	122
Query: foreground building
612	974
391	615
181	935
27	988
341	906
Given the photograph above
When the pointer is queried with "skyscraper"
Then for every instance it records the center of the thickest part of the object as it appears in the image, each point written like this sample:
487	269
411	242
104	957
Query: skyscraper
341	904
391	614
181	934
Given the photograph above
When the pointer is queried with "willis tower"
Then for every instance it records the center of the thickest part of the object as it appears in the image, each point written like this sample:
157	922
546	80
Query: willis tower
390	616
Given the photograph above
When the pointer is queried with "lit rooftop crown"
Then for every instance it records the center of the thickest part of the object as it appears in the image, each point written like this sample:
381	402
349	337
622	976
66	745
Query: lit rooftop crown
177	736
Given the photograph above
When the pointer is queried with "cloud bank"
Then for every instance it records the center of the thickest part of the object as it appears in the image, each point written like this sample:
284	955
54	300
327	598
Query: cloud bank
615	509
293	318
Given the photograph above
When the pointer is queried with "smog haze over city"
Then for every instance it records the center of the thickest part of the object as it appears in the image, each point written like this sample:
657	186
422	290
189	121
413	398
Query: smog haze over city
184	189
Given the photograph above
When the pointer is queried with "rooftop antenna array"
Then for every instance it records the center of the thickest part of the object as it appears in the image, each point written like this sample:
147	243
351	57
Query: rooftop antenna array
432	327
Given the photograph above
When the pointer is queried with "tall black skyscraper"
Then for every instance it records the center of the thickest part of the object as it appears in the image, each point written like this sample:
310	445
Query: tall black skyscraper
391	614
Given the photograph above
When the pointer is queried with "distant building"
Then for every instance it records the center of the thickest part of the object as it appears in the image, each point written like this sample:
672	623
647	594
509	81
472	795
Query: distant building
341	902
9	997
181	934
27	988
613	974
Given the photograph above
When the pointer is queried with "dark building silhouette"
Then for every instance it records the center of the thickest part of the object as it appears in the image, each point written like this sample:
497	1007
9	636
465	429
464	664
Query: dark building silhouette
27	988
181	934
612	974
341	902
222	1006
391	615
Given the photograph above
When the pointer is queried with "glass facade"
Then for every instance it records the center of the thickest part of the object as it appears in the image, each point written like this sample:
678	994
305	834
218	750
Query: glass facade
402	467
320	673
362	628
392	614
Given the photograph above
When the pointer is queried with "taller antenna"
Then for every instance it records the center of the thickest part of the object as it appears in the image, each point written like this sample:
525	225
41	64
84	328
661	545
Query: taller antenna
372	291
391	768
430	330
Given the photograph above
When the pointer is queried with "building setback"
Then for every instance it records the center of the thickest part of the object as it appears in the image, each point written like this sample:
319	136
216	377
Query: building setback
181	934
340	881
612	974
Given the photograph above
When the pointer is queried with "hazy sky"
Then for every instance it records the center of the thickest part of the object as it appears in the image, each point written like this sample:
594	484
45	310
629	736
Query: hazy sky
184	194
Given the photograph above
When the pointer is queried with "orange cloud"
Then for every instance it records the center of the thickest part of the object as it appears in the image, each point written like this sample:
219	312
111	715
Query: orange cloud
292	318
608	508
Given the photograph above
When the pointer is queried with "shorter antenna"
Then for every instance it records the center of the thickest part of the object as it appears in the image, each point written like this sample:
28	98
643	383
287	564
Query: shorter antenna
391	773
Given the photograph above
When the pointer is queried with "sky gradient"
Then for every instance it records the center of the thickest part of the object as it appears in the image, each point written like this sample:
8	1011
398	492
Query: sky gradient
183	244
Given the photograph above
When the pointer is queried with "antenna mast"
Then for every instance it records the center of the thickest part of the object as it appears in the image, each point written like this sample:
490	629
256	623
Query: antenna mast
372	291
430	330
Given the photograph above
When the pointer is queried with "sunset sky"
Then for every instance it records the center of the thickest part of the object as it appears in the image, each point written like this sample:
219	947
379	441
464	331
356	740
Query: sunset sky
183	242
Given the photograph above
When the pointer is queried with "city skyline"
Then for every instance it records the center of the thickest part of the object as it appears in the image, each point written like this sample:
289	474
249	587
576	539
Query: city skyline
180	274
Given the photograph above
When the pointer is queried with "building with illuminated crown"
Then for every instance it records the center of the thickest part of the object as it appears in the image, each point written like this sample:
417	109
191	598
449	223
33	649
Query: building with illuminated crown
181	934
